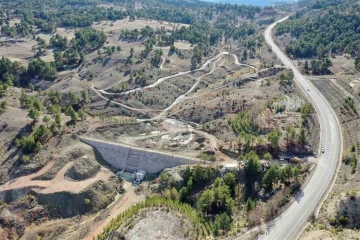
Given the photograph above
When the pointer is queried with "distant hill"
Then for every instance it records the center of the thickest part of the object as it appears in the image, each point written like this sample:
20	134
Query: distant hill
250	2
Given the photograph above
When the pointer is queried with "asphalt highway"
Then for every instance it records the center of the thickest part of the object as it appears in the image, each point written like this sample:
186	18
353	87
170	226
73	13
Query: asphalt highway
290	223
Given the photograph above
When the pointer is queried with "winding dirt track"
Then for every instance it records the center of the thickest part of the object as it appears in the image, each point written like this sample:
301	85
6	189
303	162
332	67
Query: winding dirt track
162	114
58	184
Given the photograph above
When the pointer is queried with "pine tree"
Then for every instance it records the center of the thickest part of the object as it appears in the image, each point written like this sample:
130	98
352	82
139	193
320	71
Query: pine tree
71	112
245	56
58	119
34	114
46	120
82	114
306	66
357	62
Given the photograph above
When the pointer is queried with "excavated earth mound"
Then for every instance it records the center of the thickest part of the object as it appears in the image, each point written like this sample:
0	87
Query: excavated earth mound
83	168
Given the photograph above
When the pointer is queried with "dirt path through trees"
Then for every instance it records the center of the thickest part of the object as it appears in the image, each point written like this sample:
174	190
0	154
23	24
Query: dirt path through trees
121	205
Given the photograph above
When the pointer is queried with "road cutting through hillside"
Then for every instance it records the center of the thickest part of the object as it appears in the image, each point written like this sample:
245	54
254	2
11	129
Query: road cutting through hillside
291	222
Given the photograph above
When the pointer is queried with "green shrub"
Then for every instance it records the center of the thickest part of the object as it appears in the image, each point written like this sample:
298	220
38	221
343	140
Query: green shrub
207	157
87	201
344	220
333	221
353	164
353	148
25	159
352	195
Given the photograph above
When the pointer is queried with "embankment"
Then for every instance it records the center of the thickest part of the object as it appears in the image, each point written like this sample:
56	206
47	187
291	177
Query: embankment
132	159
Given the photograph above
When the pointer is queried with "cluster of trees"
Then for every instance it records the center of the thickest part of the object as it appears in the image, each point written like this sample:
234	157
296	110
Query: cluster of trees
42	69
357	62
21	29
318	67
168	13
274	175
242	124
165	40
86	39
196	57
10	72
245	11
34	142
147	31
196	33
249	133
350	105
201	31
66	103
3	107
216	199
111	50
349	158
234	31
197	176
286	78
48	15
335	29
55	105
157	57
59	42
149	43
140	77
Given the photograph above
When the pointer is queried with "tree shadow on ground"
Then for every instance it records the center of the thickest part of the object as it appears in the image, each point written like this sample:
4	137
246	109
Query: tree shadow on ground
106	61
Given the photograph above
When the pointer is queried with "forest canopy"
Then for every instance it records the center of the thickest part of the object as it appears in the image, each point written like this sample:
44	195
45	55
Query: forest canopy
325	27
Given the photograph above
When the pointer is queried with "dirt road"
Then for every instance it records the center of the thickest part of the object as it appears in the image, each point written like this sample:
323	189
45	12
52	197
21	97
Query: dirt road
122	204
162	114
58	184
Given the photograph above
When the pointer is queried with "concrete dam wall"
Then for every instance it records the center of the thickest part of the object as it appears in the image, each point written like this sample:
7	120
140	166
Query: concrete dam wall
132	159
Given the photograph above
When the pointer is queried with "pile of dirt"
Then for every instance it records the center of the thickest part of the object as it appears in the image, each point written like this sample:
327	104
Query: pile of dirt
83	168
67	204
71	150
175	173
62	159
169	177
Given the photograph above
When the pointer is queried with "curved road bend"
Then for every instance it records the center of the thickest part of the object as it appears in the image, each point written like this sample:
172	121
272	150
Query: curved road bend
290	223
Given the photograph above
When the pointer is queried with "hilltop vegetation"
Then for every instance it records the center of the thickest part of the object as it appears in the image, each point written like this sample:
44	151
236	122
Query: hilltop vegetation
323	29
335	30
